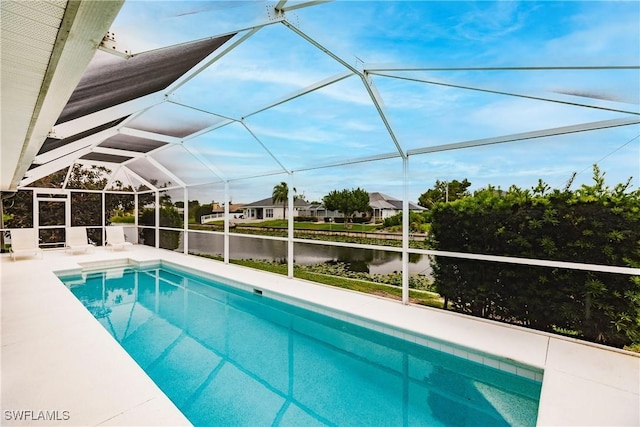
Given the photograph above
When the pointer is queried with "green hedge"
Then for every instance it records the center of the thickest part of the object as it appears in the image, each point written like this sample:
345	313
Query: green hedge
594	224
354	220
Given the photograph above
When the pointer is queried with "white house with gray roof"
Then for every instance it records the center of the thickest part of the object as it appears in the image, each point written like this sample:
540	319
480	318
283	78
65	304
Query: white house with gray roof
266	209
382	206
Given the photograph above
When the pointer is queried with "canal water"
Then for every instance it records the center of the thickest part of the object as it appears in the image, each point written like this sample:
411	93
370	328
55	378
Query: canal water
361	260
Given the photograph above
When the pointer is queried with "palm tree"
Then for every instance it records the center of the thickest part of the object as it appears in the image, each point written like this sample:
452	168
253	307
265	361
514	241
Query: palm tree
281	194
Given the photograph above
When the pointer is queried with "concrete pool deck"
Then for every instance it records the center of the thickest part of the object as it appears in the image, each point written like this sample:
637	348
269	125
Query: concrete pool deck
59	362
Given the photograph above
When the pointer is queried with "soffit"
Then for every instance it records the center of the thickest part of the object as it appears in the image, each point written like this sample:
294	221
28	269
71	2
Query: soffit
46	45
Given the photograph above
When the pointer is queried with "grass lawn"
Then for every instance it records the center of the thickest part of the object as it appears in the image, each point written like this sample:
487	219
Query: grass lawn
388	291
279	223
283	224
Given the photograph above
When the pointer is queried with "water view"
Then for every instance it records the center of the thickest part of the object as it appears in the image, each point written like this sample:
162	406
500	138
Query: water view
359	260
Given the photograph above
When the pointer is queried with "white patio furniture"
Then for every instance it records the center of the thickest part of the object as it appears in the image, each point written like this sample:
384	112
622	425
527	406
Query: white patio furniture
77	240
115	238
24	241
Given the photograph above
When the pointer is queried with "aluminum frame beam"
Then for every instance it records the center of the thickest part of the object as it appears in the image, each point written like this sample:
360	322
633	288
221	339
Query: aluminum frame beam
379	104
505	93
311	88
227	47
284	169
584	127
131	108
417	67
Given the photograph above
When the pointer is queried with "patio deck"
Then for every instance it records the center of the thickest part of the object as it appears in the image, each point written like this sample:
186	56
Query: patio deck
56	357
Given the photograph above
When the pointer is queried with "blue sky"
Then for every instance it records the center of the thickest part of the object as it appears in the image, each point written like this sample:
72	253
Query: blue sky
340	122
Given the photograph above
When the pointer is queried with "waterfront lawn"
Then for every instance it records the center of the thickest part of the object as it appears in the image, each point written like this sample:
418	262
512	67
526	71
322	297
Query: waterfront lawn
283	225
430	299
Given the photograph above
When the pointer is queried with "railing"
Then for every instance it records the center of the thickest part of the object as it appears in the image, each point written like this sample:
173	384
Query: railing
212	217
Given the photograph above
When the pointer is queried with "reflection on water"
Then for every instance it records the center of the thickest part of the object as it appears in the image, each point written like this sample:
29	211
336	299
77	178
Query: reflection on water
229	357
360	260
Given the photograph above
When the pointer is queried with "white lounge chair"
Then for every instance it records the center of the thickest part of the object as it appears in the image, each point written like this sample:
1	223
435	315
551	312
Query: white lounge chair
115	238
24	241
77	240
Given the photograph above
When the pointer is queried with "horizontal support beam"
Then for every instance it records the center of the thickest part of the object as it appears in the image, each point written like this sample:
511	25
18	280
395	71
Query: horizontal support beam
353	161
93	120
373	68
299	5
584	127
502	92
72	147
150	135
531	261
117	152
36	173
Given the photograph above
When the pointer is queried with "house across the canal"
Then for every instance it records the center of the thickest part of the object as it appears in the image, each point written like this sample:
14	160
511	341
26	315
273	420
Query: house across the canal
382	206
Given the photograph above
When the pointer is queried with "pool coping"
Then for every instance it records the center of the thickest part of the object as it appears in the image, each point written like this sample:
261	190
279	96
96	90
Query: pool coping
582	384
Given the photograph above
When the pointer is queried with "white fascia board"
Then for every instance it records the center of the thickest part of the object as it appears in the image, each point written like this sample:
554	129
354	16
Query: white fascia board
90	121
89	141
584	127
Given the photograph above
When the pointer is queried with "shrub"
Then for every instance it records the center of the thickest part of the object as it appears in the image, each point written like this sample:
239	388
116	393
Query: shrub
123	219
594	225
417	221
361	220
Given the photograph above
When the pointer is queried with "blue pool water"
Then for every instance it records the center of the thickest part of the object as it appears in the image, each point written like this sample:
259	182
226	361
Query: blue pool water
226	357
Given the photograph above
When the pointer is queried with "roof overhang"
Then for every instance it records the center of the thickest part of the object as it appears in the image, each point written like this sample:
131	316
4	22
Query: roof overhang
42	62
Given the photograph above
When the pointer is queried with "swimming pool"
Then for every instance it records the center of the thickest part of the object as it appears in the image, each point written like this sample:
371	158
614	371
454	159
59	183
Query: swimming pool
228	356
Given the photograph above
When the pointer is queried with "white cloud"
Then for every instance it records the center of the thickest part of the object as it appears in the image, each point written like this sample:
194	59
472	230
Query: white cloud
491	21
340	121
